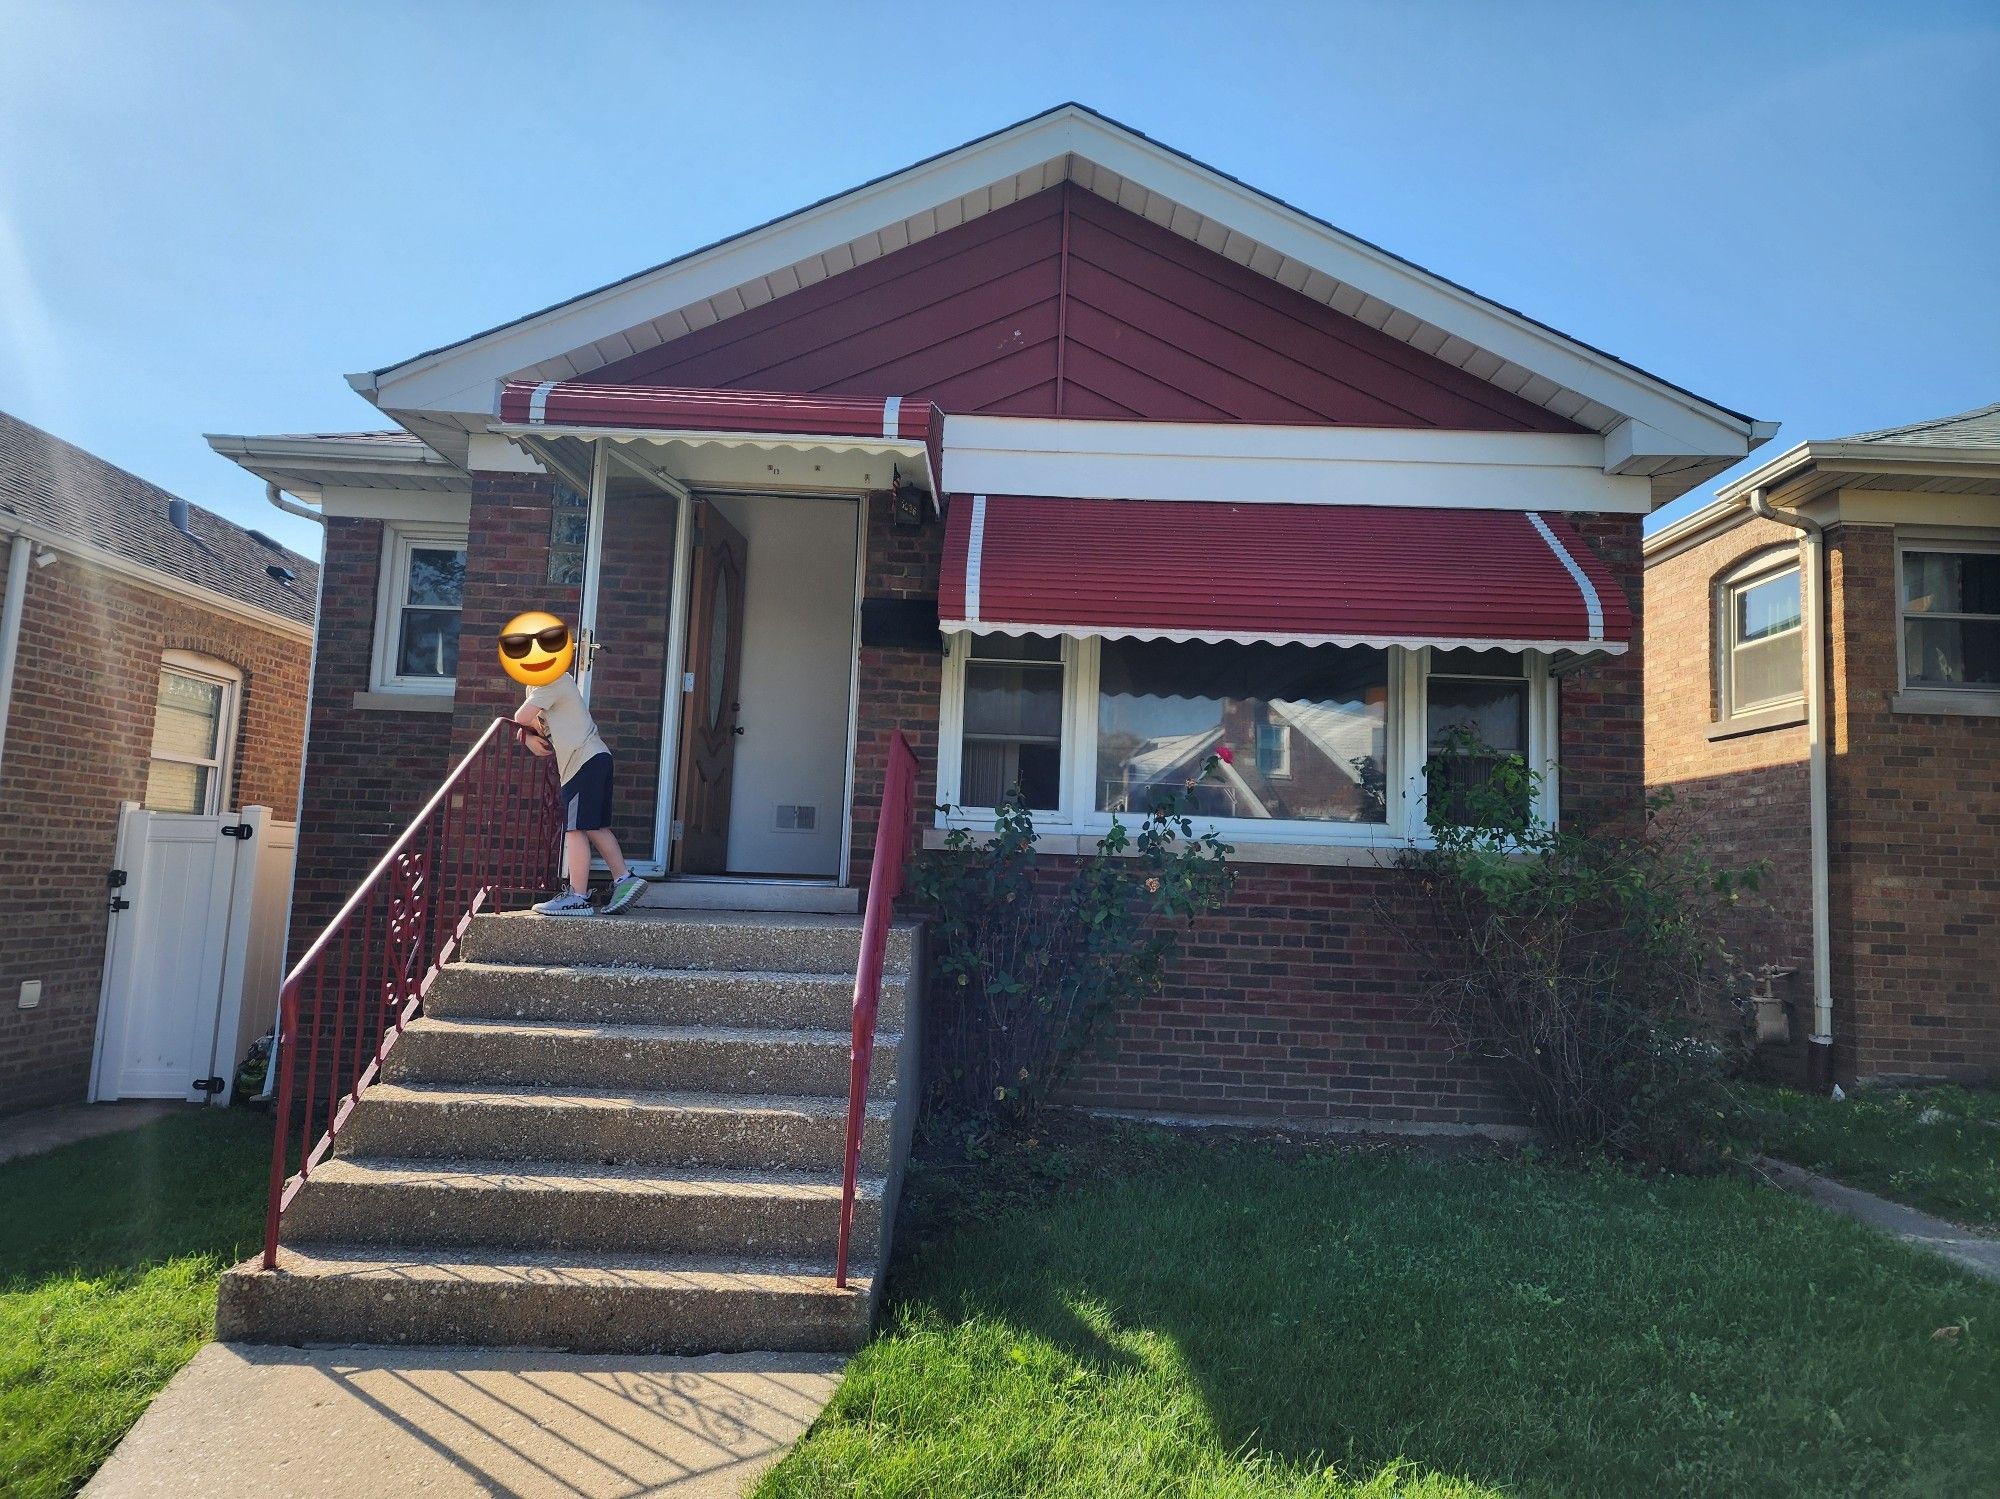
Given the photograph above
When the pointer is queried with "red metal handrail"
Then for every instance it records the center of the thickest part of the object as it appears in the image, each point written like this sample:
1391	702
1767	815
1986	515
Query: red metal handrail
885	883
490	835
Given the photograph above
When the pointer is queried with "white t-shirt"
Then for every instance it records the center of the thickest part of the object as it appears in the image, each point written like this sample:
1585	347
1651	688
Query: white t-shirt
572	731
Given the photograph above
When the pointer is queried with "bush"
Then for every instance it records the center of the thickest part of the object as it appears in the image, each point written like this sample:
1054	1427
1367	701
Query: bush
1030	968
1586	967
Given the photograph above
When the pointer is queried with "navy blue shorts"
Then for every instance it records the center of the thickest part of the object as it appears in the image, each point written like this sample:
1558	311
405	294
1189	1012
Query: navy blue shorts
588	794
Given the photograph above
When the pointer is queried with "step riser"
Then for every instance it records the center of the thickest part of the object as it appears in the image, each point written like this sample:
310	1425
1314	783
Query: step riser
608	941
343	1212
815	1069
633	1136
580	1319
619	996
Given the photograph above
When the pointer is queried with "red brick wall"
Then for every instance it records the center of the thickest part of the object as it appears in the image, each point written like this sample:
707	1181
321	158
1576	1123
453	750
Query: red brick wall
506	573
1745	797
78	742
1602	719
1915	806
368	770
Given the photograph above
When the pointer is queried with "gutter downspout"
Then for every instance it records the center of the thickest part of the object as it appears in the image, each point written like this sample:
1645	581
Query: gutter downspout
18	557
291	506
1812	561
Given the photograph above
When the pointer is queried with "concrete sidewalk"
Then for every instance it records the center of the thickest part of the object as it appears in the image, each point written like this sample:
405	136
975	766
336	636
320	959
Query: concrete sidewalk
1979	1253
257	1422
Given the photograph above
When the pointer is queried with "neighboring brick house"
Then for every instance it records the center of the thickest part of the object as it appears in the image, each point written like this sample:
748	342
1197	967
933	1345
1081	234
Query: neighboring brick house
1066	456
130	601
1894	740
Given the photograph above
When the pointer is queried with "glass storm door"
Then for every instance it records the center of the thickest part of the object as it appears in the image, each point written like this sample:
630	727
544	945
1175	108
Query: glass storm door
625	645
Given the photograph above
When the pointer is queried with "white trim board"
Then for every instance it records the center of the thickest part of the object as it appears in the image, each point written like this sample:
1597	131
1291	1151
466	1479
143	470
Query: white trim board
1069	143
1235	463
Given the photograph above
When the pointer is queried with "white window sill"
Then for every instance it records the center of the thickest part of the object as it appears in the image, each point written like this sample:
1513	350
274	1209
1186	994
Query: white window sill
1965	702
1783	716
403	700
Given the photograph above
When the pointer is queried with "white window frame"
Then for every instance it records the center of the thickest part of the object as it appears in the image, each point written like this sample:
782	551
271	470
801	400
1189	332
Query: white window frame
1762	568
1986	542
230	680
1406	739
399	539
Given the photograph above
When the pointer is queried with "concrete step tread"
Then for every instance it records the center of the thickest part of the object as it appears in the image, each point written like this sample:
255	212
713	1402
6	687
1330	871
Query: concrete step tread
502	1268
644	971
620	1031
582	1176
615	1100
657	916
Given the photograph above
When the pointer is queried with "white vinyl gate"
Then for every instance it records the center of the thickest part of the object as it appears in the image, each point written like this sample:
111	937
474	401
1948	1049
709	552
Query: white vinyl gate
195	951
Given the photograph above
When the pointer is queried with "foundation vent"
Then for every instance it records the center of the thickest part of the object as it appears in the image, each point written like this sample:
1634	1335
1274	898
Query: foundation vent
795	817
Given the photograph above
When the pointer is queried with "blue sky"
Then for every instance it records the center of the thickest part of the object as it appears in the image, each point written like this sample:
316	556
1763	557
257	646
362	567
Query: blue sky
210	213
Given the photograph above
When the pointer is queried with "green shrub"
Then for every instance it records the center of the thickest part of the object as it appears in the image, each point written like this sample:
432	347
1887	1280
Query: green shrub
1587	968
1030	967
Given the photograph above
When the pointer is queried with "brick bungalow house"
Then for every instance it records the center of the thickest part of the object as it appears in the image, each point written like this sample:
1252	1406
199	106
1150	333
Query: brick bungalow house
1073	459
150	651
1834	707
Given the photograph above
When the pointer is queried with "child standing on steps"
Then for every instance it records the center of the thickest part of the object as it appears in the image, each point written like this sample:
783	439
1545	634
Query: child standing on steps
554	721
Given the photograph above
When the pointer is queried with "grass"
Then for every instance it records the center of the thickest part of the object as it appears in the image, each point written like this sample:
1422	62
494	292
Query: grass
1132	1314
1933	1148
109	1252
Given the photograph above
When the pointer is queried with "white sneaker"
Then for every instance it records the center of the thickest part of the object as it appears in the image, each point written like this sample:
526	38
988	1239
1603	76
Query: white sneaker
569	903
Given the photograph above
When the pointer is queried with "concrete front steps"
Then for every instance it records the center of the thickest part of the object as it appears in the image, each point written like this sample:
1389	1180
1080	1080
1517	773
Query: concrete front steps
609	1135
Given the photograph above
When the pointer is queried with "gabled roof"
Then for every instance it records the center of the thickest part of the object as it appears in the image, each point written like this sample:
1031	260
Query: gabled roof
1653	426
63	493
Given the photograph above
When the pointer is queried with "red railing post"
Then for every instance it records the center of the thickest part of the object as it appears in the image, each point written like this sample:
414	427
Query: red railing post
434	875
885	883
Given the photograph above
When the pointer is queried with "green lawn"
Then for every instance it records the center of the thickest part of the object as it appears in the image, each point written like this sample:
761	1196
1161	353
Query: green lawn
1933	1148
109	1251
1158	1318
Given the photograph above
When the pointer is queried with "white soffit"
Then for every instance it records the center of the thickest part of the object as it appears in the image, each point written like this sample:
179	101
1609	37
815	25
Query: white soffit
1406	302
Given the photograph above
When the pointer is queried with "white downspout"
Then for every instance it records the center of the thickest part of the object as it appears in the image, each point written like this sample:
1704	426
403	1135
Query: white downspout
10	627
1819	1057
291	506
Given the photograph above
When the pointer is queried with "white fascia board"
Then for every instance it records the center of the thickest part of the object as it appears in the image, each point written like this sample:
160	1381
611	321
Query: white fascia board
1701	428
303	466
461	378
1237	463
442	506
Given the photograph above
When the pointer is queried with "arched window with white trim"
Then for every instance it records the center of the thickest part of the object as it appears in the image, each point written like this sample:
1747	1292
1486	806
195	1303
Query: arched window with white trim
194	734
1760	644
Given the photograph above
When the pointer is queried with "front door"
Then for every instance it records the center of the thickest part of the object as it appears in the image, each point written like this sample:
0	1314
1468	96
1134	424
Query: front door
711	704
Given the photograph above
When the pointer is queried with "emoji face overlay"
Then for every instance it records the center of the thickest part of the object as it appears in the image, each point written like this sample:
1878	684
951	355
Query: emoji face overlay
536	648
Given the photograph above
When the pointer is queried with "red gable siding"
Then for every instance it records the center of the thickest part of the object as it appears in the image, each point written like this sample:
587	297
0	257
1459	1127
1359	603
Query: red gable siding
1066	305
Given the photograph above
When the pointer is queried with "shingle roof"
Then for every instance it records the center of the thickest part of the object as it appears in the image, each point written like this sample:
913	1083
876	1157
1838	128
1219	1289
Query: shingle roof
61	488
1969	429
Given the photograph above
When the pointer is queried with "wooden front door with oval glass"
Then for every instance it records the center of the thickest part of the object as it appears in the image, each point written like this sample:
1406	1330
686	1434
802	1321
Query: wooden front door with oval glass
711	703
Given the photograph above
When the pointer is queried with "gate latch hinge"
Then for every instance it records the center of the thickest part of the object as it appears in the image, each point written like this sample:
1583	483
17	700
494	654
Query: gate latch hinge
207	1085
238	830
115	879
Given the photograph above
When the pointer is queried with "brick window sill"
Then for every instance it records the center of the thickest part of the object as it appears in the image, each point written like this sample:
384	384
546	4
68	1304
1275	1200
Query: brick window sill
1786	716
403	702
1961	703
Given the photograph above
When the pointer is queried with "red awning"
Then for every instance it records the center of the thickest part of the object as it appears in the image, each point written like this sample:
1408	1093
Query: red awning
1317	574
580	408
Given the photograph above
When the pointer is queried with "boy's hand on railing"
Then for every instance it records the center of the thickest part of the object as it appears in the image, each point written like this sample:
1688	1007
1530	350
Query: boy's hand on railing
535	744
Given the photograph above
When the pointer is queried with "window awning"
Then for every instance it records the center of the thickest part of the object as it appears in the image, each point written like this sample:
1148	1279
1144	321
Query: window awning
553	414
1312	574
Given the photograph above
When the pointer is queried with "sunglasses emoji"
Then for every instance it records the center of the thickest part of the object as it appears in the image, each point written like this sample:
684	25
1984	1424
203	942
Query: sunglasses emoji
536	648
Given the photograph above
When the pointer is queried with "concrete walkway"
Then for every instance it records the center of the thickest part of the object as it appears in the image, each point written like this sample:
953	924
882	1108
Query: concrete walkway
256	1422
1979	1253
45	1129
